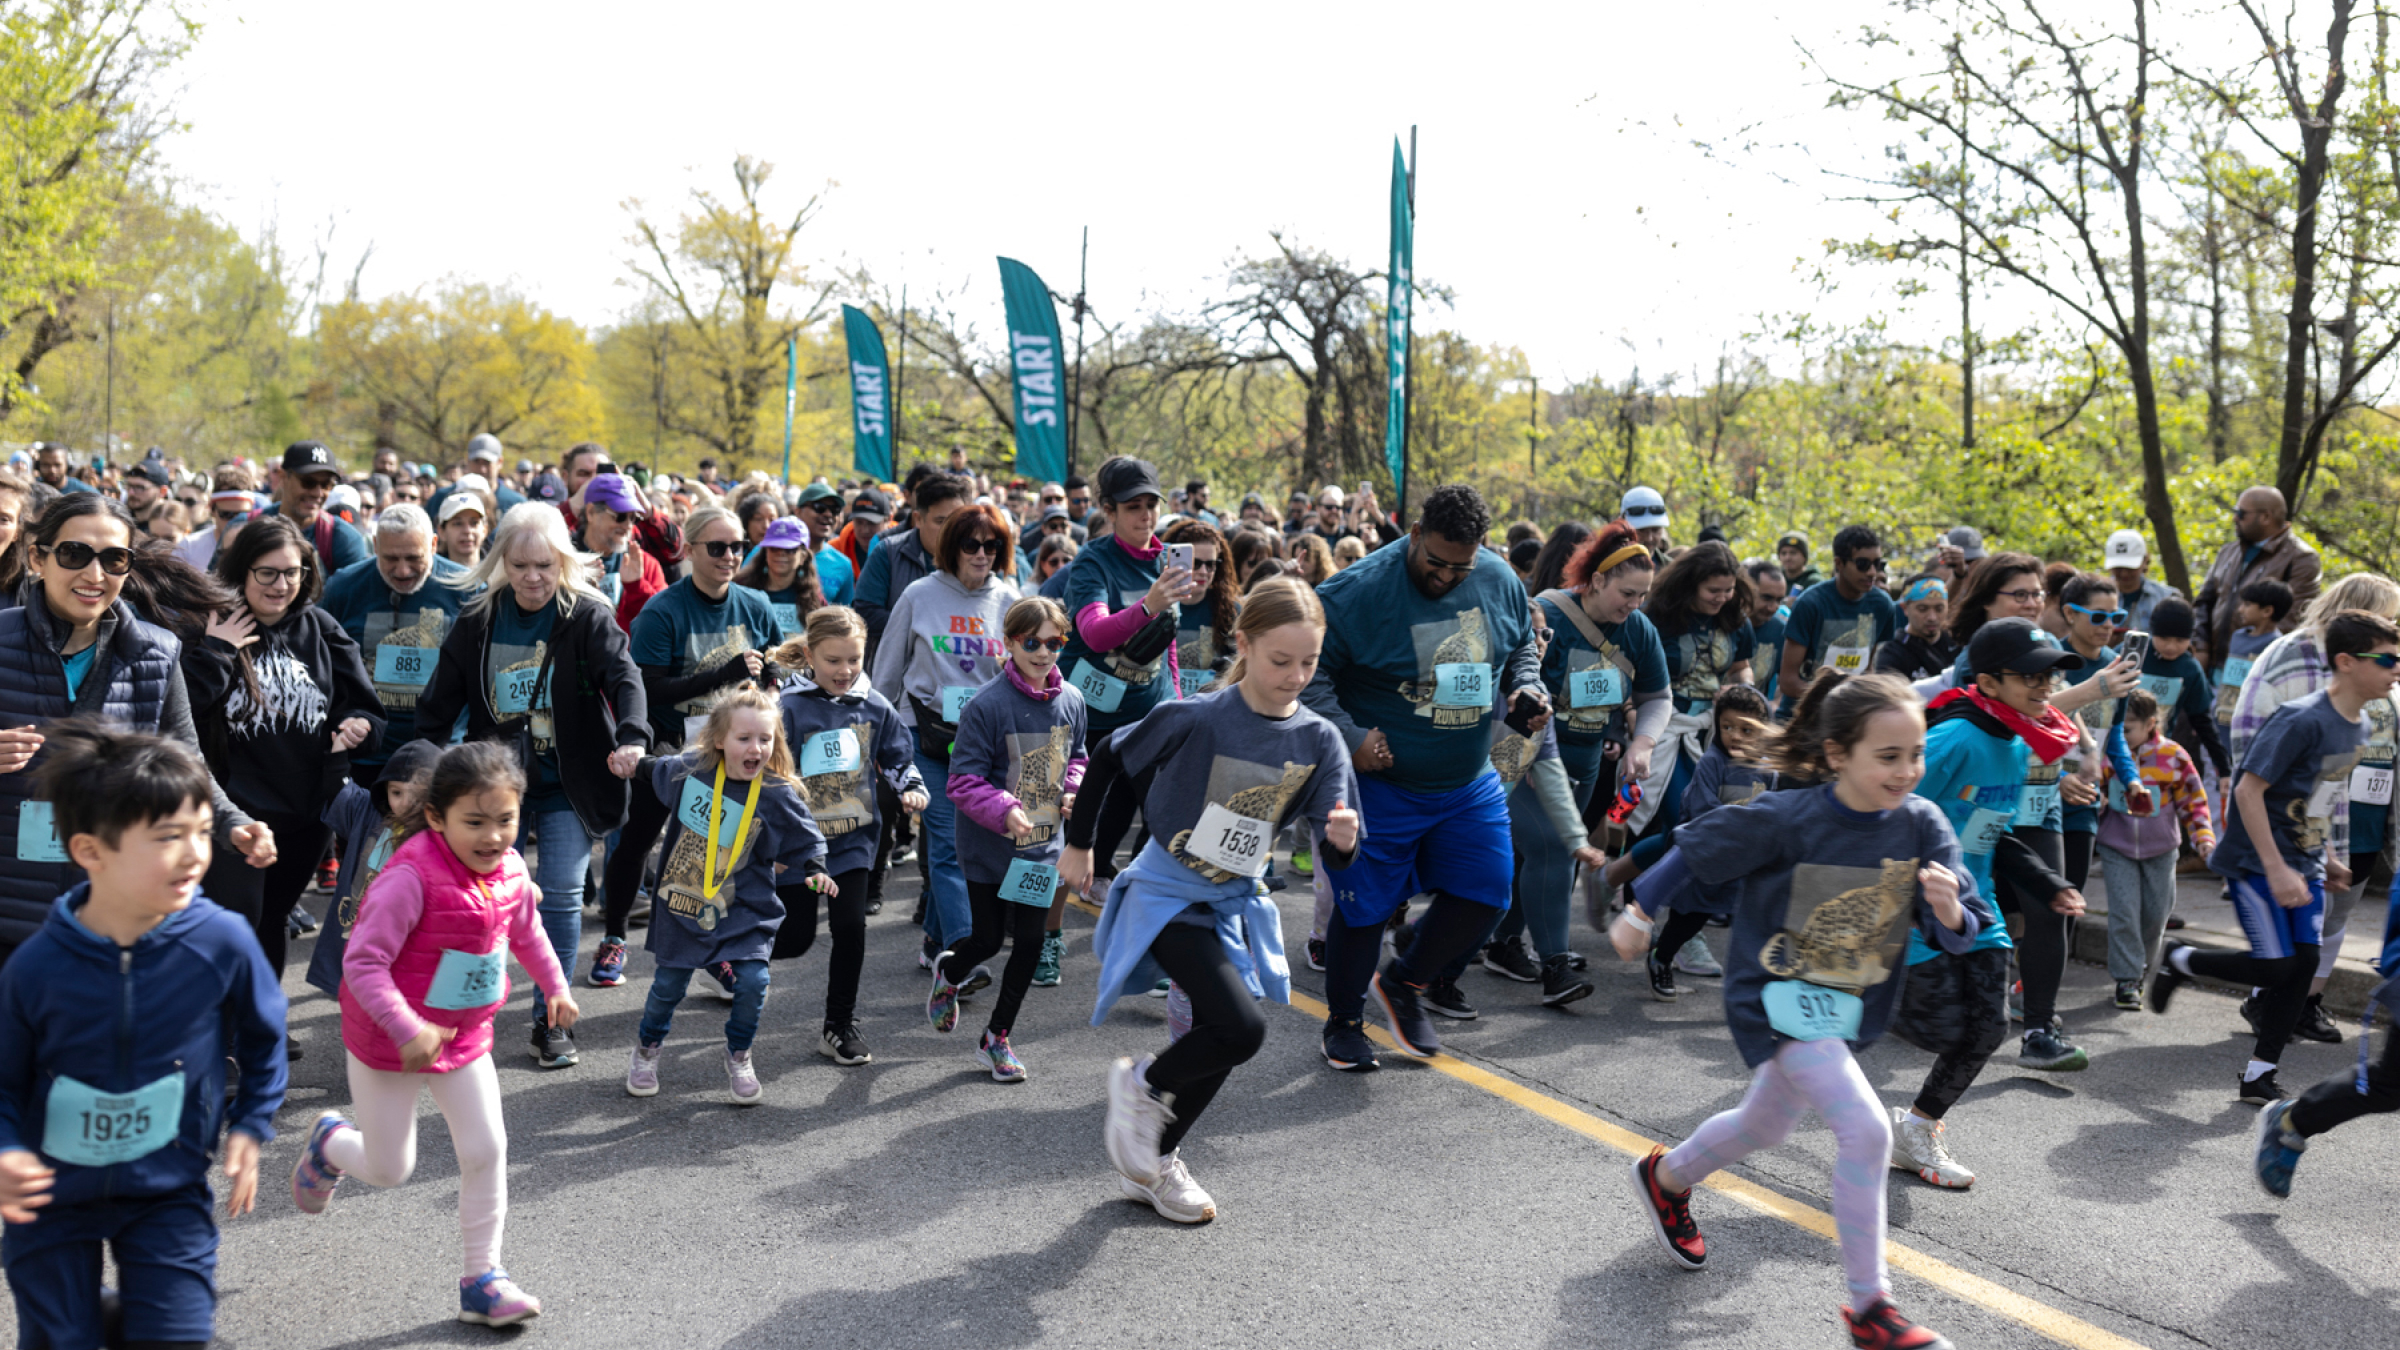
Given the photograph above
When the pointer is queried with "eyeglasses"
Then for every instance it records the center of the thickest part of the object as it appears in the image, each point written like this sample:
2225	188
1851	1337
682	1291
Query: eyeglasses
2040	681
277	576
74	555
2387	660
2107	618
2023	596
1039	644
724	548
982	543
1204	564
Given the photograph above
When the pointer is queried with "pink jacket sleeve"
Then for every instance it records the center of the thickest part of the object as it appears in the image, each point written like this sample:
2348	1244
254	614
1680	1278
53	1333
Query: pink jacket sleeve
395	902
1072	780
985	802
531	942
1105	632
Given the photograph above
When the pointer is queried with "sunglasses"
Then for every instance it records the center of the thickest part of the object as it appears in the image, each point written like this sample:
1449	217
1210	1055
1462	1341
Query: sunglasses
982	543
2387	660
1053	645
2107	618
228	517
725	548
1204	564
75	556
1866	564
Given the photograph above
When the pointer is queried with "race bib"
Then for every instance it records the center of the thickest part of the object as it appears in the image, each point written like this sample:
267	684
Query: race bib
834	751
1100	689
1193	681
2371	785
91	1128
1599	687
1981	833
788	616
411	666
2320	802
2036	803
37	833
955	698
468	980
694	727
2167	689
1029	883
692	809
1811	1012
1846	661
513	691
1236	844
1462	684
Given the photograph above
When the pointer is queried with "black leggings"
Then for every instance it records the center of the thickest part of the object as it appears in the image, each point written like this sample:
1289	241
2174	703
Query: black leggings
265	896
2337	1101
644	820
1227	1027
846	916
993	918
1956	1008
1675	930
2282	983
1116	817
2042	941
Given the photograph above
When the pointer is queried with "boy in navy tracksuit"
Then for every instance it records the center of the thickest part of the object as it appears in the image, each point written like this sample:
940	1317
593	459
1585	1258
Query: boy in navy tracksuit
116	1020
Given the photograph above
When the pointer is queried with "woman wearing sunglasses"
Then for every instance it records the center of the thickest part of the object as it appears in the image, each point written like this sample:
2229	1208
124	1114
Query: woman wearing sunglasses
942	644
73	645
784	570
694	640
283	697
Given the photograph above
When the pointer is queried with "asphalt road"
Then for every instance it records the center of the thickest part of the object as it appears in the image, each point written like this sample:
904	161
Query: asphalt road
914	1201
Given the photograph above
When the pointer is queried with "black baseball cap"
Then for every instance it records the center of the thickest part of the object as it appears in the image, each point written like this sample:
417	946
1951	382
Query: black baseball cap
1122	480
308	457
870	505
2012	646
152	471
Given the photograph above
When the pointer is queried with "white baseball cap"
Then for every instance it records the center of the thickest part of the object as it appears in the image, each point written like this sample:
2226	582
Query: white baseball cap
2126	549
1643	508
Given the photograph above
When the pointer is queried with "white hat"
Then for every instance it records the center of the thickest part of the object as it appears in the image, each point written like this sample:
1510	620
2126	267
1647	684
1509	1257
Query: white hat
460	501
343	495
2126	549
1643	508
483	445
1331	496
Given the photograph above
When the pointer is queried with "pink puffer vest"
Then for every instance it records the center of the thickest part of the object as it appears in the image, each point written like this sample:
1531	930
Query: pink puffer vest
458	916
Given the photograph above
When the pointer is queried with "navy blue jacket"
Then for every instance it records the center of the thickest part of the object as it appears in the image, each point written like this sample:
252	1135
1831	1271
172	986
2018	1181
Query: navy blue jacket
185	995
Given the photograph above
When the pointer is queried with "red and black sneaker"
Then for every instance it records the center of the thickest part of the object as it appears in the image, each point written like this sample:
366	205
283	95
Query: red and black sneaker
1670	1214
1881	1327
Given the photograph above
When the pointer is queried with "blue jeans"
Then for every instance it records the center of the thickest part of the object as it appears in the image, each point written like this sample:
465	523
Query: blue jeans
563	854
670	983
948	916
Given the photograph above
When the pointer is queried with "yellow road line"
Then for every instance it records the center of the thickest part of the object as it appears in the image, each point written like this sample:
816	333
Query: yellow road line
2065	1328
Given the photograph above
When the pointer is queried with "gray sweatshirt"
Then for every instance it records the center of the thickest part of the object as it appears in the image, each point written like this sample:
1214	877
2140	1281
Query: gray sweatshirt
942	636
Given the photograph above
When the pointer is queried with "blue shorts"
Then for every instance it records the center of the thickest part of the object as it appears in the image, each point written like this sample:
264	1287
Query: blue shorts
166	1254
1455	842
2273	930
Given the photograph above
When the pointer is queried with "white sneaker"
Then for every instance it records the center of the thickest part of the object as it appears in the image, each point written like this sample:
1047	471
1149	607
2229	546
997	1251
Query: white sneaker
1918	1146
1135	1120
641	1076
1694	958
741	1079
1174	1195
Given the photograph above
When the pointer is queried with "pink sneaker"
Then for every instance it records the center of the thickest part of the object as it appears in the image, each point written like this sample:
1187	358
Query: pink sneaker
314	1177
493	1300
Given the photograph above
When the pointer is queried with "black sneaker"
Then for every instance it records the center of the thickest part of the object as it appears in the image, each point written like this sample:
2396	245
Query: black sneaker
1347	1047
2262	1090
1443	997
874	907
842	1045
554	1047
2129	995
1560	984
2168	979
2315	1025
1404	1011
1511	961
2047	1047
1576	961
1316	953
1662	977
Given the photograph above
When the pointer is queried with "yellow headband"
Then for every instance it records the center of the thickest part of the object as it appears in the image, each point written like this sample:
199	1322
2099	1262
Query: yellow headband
1625	553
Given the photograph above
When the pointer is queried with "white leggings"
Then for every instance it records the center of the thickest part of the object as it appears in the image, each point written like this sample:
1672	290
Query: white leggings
382	1150
1807	1075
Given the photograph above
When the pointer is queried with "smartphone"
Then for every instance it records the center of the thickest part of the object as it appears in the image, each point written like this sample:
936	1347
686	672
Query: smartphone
1522	709
1179	555
1364	486
2137	646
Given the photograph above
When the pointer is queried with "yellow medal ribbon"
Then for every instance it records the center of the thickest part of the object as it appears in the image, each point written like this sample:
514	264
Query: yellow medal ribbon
716	804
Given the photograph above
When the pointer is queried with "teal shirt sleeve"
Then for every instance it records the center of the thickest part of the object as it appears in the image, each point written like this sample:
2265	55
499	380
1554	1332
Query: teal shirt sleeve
1649	656
653	635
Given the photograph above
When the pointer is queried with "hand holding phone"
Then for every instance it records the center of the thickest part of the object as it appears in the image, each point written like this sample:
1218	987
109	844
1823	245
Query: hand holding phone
1179	555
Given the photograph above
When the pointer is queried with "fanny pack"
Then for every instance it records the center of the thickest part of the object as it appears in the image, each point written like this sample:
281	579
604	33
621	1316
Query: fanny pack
1146	646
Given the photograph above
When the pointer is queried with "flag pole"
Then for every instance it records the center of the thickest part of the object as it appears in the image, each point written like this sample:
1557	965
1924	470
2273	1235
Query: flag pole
791	397
1408	373
1083	275
900	380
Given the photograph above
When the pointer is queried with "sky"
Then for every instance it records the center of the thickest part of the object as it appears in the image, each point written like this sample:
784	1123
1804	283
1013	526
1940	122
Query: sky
1559	194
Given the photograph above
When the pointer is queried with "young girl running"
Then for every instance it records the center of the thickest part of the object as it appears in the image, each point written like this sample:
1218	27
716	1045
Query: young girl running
1728	775
425	972
838	727
719	906
1829	881
370	824
1013	776
1232	767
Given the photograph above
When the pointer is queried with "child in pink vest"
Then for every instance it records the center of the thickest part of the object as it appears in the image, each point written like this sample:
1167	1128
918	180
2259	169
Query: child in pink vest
425	972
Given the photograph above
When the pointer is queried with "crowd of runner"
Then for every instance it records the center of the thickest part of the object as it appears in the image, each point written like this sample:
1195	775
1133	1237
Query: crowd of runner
471	703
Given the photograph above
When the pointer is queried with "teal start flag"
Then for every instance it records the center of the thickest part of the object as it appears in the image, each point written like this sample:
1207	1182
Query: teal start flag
1396	310
870	397
1038	370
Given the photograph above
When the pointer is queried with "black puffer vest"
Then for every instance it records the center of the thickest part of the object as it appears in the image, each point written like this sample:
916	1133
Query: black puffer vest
127	686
